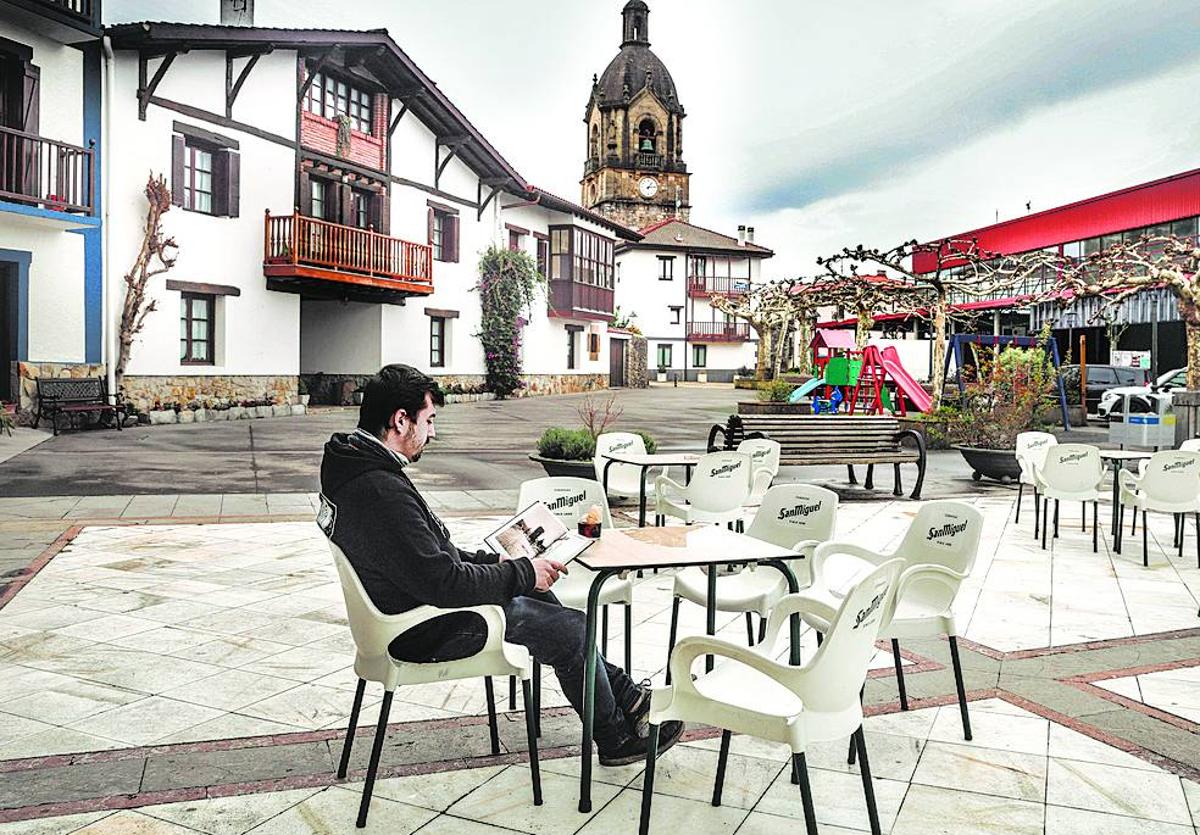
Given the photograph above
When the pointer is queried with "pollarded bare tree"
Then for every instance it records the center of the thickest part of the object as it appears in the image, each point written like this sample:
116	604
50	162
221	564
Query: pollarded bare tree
768	309
154	248
867	296
1166	262
956	270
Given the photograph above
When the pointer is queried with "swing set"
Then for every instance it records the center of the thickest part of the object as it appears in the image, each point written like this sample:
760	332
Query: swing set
960	342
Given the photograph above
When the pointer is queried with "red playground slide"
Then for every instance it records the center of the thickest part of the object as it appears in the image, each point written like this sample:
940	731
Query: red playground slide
905	384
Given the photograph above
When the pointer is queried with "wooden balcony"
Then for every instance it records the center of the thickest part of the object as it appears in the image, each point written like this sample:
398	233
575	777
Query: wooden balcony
66	21
320	259
718	331
701	287
576	300
45	172
78	8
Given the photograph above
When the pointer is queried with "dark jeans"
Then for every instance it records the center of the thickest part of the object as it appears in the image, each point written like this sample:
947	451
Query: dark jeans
554	635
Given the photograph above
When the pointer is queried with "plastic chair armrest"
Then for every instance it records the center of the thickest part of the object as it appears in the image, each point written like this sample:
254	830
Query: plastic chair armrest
791	604
826	549
692	647
926	572
664	484
806	547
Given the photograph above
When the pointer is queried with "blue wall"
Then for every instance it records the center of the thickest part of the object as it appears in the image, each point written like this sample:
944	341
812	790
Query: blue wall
21	259
93	240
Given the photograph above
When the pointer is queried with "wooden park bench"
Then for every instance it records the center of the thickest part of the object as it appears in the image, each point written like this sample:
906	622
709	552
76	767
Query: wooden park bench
814	440
76	396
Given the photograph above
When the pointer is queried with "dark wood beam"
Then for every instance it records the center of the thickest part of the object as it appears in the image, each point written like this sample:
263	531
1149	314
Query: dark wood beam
483	204
439	164
232	88
396	119
321	62
146	89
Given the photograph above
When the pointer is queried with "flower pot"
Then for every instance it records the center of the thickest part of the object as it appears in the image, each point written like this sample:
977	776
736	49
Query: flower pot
299	409
187	416
281	411
161	416
933	431
557	466
997	464
662	376
303	398
262	411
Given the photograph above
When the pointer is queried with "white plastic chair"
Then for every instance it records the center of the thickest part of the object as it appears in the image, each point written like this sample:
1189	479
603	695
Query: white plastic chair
624	480
753	694
1071	472
373	631
1169	483
796	516
939	551
1031	452
719	487
569	499
764	456
1190	445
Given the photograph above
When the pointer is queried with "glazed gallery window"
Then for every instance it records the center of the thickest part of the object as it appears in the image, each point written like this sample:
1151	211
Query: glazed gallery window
332	97
197	178
196	328
437	341
582	256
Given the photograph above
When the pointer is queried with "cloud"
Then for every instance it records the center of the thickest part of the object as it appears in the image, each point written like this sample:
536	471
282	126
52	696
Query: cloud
1049	56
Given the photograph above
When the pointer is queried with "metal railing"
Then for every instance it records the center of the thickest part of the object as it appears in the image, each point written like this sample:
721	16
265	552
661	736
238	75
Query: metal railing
646	159
700	286
719	331
45	172
82	8
310	242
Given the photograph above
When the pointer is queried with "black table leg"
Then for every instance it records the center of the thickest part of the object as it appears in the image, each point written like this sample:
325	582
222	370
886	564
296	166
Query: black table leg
642	500
710	613
589	692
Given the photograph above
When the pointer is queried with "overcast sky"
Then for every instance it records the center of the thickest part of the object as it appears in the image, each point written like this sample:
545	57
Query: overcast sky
821	124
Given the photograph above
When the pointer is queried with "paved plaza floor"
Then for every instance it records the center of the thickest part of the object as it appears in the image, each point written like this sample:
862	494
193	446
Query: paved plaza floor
174	658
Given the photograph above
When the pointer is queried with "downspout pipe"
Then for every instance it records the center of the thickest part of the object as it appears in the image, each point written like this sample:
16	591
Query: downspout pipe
107	355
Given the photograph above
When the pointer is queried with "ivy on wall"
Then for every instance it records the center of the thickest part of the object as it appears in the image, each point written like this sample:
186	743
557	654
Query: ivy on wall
508	285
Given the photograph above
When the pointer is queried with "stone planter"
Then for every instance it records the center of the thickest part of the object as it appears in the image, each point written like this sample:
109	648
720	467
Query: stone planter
303	398
1186	406
661	376
262	411
1052	415
162	416
281	411
218	414
557	466
187	416
997	464
765	407
236	413
701	376
299	409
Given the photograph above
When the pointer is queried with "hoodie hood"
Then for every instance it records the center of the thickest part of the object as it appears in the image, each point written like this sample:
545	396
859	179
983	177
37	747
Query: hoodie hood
349	455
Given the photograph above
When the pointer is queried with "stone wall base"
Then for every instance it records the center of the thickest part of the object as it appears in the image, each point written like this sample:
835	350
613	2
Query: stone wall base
338	389
145	391
24	376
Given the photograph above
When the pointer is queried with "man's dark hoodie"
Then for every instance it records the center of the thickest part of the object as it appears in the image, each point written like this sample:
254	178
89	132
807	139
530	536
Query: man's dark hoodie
400	549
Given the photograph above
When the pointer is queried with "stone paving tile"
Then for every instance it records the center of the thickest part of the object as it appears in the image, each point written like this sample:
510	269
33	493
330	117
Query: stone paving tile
228	815
63	784
52	826
186	769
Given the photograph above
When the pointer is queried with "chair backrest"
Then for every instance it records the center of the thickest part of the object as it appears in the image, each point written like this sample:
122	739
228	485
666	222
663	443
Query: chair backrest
622	478
1172	476
791	513
568	498
371	637
1072	467
1190	445
1031	452
839	667
763	452
720	482
943	533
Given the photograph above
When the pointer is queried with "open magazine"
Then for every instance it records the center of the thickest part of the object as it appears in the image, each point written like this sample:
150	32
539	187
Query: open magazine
537	532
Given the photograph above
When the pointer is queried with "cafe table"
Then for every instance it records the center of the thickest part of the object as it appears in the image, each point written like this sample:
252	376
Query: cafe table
1116	459
636	549
687	460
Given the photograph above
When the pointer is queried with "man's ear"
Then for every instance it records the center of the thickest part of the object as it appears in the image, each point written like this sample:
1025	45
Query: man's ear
398	416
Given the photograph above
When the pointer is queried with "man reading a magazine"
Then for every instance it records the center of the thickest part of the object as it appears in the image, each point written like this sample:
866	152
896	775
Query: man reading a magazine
403	555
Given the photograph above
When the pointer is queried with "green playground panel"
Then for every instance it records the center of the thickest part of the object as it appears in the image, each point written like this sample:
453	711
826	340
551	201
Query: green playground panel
886	396
842	371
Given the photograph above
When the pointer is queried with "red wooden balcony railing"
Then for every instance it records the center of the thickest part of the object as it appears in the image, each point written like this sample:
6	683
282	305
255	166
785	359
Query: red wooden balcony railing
700	286
319	249
718	331
45	172
82	8
577	299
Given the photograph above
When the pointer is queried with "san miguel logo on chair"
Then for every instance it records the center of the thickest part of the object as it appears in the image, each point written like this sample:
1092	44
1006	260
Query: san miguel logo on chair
564	502
800	511
863	614
1037	443
949	529
726	468
621	446
1178	465
1072	457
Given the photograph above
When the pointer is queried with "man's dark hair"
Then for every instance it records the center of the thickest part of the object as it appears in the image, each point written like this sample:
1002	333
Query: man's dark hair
395	387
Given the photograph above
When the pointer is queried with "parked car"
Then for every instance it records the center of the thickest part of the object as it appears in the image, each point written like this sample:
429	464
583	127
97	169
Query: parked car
1112	402
1100	379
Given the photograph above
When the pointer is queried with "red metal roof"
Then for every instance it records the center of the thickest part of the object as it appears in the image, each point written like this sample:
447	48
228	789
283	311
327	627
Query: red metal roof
1147	204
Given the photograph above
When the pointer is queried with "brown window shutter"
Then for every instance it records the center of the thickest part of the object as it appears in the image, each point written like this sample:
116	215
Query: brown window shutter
429	238
220	183
31	99
453	224
234	183
177	151
305	201
383	214
347	205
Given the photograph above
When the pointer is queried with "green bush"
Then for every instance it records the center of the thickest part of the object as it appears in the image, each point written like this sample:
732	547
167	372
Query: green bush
567	444
776	391
651	444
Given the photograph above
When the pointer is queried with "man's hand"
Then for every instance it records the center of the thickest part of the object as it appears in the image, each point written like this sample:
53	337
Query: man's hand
547	572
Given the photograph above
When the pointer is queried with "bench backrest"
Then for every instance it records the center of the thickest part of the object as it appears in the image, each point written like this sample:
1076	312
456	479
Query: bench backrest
72	389
849	432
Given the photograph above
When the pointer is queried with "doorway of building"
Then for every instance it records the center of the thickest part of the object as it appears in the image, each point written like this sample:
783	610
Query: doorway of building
616	363
8	329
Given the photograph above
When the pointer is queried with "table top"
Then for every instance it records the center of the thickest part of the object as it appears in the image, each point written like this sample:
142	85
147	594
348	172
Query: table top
1123	454
636	548
655	459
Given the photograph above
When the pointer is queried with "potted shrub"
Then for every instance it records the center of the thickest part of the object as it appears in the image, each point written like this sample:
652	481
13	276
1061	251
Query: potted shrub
160	413
569	452
662	374
1001	401
302	394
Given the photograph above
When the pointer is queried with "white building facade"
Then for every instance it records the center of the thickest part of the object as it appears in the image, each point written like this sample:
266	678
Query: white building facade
665	283
331	207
